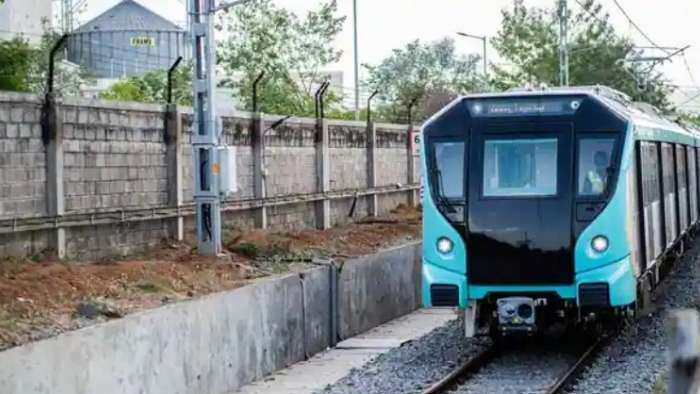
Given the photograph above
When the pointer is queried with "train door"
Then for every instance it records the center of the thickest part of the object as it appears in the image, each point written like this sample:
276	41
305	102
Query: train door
692	186
653	210
520	210
668	167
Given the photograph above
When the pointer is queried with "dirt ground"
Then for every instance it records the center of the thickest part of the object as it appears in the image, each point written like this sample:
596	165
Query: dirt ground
40	298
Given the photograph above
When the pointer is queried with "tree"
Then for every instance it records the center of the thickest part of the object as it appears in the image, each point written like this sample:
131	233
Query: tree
152	87
689	119
260	37
15	62
24	68
68	77
434	73
529	41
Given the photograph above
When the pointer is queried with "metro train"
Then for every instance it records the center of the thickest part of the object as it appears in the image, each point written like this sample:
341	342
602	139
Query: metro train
550	206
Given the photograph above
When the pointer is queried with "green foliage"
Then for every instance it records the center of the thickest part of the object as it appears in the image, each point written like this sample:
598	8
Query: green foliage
261	37
528	40
431	72
690	119
24	68
246	249
15	62
68	78
152	87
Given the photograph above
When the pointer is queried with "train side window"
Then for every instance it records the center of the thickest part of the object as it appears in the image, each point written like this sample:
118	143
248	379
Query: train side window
594	165
449	163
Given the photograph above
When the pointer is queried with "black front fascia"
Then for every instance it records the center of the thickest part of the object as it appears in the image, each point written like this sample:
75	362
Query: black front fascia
522	239
531	240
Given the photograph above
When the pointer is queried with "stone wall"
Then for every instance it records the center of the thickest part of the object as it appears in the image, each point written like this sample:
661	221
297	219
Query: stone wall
109	178
114	158
22	158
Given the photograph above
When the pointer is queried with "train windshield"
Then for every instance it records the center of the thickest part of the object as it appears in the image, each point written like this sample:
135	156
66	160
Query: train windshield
520	167
449	163
594	165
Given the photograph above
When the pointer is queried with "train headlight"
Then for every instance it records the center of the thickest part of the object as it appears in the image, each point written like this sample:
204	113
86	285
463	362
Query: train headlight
444	245
599	243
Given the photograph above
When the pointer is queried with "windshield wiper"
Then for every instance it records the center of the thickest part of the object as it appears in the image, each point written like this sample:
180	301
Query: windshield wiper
440	194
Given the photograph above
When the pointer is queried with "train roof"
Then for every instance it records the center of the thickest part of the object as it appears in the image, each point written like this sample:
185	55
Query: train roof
648	122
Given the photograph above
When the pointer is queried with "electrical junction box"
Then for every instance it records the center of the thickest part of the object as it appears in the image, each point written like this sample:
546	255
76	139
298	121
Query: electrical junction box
228	175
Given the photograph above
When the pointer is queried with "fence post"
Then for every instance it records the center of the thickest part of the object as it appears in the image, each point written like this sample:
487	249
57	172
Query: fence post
685	352
411	167
173	138
373	199
259	190
323	207
52	133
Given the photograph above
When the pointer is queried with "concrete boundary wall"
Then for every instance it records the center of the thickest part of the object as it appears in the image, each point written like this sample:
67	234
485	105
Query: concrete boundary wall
220	342
382	287
70	167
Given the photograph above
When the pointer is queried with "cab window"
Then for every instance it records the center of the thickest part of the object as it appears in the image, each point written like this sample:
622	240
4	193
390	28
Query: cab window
449	163
594	165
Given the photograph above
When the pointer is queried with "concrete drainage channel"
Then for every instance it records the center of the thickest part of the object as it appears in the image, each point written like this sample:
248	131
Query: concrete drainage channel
222	341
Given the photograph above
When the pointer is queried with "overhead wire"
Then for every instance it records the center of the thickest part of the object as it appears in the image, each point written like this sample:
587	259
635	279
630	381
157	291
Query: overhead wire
667	50
639	29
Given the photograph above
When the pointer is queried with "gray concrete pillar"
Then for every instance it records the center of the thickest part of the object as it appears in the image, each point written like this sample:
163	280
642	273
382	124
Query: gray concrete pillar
323	207
53	141
411	168
173	138
373	199
259	189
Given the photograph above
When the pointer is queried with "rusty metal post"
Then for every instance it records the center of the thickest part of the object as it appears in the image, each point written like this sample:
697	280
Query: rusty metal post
255	90
171	71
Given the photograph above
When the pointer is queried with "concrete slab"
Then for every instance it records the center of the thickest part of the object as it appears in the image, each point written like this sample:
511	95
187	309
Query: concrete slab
332	365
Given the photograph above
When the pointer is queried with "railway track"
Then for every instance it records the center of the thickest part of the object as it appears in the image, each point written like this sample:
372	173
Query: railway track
547	369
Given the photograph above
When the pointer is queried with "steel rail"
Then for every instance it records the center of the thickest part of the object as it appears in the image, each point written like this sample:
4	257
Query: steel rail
472	365
571	373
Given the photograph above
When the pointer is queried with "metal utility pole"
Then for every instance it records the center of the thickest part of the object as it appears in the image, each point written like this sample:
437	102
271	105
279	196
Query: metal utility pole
484	39
357	63
563	44
205	136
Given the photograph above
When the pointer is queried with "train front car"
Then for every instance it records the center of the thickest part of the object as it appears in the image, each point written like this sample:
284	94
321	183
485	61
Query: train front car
526	210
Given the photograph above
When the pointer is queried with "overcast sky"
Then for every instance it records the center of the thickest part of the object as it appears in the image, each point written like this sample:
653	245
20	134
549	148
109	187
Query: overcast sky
387	24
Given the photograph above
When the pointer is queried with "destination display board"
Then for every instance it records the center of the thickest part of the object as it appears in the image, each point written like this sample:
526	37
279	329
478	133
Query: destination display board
524	107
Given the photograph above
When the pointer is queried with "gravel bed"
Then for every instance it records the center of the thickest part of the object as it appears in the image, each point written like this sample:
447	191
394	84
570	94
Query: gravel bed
413	366
637	359
632	363
531	369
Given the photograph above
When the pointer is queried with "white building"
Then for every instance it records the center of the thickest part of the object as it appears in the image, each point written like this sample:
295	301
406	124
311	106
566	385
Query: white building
24	17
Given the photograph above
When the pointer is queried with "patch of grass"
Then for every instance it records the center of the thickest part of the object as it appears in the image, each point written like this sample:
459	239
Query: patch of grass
10	265
8	319
154	286
246	249
107	260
